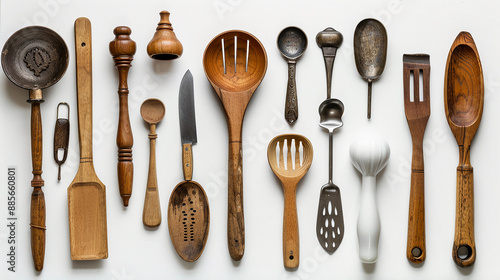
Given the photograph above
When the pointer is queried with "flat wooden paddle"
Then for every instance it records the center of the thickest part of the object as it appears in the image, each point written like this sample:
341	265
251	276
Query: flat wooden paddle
86	194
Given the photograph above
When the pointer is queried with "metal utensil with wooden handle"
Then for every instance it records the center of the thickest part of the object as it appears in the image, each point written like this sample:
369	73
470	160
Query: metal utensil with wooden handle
35	58
122	48
87	194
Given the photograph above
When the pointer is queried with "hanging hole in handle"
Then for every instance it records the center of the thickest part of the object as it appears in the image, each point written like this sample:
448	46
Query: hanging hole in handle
416	252
464	252
67	109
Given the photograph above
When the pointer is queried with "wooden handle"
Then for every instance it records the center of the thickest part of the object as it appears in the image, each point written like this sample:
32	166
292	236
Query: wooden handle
368	221
290	229
187	161
83	49
415	249
37	197
291	107
151	215
464	247
122	48
235	219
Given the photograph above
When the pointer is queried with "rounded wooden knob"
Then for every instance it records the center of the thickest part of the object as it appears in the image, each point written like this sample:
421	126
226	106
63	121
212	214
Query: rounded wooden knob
164	45
122	44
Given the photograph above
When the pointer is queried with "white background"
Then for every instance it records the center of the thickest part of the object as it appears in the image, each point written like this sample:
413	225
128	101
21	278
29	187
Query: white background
139	253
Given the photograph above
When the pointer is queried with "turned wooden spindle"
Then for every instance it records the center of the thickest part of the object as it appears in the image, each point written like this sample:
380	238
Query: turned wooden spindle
122	48
164	45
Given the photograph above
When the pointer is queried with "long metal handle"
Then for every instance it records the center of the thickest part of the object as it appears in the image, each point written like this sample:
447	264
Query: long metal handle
291	107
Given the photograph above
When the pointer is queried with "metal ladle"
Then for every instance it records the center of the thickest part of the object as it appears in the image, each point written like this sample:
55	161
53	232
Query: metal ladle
330	222
292	43
370	52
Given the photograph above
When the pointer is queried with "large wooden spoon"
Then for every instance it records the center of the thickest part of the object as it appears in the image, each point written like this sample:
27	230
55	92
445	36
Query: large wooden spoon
235	63
463	104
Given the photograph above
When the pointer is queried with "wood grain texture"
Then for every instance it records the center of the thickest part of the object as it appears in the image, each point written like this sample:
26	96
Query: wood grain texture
37	198
187	161
463	100
86	194
235	85
290	174
151	214
122	48
164	45
417	114
188	220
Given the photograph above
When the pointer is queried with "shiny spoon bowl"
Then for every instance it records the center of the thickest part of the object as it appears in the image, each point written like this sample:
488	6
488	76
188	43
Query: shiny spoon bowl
152	111
292	43
330	221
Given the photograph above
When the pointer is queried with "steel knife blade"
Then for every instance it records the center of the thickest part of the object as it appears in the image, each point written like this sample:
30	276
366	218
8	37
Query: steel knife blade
187	117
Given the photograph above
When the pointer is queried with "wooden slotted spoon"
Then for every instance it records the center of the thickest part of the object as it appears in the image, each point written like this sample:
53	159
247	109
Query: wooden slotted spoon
235	63
290	165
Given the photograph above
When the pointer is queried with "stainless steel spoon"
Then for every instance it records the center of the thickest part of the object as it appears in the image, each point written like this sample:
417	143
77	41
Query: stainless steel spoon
330	221
292	43
370	52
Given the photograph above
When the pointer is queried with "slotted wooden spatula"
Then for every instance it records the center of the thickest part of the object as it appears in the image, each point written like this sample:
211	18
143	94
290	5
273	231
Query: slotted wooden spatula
86	194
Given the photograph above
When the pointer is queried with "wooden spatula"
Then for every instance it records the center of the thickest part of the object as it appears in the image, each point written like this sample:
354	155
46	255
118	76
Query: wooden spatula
86	194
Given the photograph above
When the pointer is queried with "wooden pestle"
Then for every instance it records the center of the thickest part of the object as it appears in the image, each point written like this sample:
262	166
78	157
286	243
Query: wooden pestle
122	48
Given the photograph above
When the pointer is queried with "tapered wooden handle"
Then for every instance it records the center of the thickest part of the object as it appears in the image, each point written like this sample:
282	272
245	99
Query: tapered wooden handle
464	246
83	50
37	197
291	107
122	48
415	249
187	161
290	229
151	215
235	221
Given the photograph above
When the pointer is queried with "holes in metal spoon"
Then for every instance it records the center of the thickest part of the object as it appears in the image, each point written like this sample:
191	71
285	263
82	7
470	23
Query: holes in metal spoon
464	252
416	252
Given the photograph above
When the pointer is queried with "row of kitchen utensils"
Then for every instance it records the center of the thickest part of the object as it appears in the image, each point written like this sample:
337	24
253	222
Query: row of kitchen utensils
235	63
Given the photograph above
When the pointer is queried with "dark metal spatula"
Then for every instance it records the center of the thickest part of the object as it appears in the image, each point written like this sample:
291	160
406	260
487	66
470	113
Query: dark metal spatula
330	222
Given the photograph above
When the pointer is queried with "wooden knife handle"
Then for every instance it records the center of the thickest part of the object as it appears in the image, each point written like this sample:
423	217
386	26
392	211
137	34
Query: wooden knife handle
464	247
187	161
122	48
37	198
290	229
415	246
83	50
235	220
151	214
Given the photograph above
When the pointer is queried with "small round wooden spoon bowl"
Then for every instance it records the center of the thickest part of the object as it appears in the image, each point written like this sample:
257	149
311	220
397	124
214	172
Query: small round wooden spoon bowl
290	170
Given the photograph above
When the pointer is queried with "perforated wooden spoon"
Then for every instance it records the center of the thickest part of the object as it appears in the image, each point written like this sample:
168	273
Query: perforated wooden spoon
290	156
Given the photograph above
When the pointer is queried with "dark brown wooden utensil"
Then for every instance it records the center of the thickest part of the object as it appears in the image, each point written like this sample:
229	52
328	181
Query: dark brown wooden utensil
417	114
61	138
35	58
235	63
463	104
122	48
86	194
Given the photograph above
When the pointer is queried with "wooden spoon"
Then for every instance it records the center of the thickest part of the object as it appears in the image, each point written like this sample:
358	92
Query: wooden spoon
463	104
290	165
87	194
235	63
152	111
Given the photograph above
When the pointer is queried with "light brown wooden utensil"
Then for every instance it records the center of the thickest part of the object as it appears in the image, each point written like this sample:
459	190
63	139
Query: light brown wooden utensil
235	63
417	114
463	104
152	111
290	156
122	48
86	194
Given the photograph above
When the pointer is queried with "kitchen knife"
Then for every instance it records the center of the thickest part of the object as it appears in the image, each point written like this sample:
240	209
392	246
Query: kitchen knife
187	121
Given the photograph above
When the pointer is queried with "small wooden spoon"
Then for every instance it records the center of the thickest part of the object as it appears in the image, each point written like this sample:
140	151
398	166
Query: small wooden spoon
463	104
290	173
152	111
